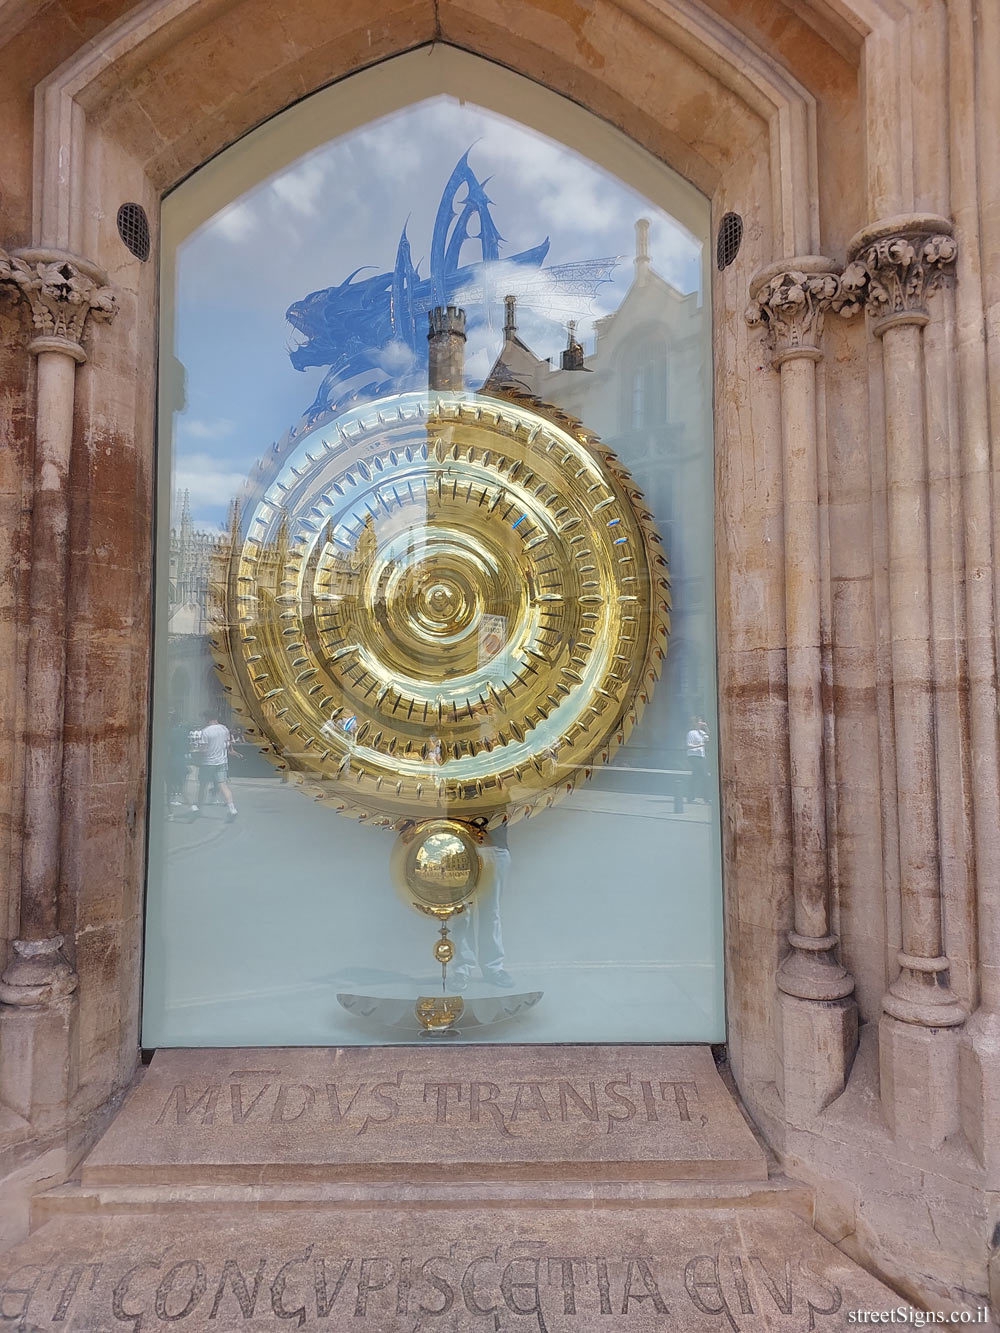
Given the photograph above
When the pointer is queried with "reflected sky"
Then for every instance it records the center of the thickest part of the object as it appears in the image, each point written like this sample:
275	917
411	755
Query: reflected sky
344	206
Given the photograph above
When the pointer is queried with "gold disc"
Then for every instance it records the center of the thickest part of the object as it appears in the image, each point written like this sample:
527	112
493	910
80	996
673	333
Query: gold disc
442	603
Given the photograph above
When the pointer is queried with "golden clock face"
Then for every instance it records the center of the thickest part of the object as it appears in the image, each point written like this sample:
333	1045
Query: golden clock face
442	604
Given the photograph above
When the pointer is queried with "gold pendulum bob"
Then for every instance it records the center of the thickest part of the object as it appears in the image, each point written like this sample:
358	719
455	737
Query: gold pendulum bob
438	870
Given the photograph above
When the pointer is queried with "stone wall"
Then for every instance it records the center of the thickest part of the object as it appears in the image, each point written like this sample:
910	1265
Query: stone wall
855	499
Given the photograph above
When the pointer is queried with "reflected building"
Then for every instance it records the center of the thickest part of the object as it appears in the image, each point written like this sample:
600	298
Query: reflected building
643	390
193	685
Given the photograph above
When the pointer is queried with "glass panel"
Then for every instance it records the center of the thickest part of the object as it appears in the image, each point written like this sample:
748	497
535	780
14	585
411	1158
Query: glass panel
420	765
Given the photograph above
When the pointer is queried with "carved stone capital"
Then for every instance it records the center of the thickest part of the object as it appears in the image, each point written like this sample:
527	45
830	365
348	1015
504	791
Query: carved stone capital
62	292
896	265
38	974
790	301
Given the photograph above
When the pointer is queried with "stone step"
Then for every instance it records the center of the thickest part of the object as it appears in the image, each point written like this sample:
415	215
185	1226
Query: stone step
74	1200
481	1189
428	1114
409	1269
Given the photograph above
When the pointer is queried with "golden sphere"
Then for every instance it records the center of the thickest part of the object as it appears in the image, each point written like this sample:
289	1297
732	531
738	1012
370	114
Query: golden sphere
444	951
436	866
444	868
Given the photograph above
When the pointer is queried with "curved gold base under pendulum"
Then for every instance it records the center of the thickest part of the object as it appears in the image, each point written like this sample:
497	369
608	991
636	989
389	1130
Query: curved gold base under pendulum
438	870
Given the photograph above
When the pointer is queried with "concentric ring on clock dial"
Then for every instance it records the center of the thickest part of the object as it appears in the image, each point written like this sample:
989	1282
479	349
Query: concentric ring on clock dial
443	603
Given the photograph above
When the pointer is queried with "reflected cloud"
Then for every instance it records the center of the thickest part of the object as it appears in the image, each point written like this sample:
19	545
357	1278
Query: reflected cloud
195	429
235	223
342	207
209	484
302	187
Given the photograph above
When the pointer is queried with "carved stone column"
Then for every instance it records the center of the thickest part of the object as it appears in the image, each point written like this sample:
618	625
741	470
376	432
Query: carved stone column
972	30
62	292
819	1021
896	265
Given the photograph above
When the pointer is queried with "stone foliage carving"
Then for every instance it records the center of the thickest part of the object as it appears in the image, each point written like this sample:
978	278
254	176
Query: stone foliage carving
61	295
792	306
891	276
896	274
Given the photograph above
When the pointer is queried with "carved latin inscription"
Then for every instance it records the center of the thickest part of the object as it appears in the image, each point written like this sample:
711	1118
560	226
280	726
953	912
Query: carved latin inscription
508	1108
526	1285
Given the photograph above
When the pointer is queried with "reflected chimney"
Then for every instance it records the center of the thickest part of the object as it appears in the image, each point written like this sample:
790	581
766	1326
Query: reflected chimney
641	247
510	317
446	348
572	357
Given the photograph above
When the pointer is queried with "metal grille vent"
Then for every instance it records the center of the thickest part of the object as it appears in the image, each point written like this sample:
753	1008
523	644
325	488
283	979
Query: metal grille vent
133	228
727	245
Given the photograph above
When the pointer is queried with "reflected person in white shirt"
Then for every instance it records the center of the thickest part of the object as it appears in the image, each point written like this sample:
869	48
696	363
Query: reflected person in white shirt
215	744
696	742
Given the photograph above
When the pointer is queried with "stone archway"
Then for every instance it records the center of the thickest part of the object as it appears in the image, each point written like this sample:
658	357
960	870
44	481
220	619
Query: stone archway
108	109
780	124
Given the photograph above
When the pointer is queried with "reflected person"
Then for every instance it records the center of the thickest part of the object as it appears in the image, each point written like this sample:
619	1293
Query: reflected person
476	932
696	744
177	759
215	744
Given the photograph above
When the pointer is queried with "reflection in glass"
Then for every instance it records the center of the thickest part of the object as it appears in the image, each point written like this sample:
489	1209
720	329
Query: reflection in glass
610	901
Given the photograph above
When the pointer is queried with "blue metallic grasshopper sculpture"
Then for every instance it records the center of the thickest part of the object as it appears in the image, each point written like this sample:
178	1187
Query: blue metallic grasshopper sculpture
372	332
